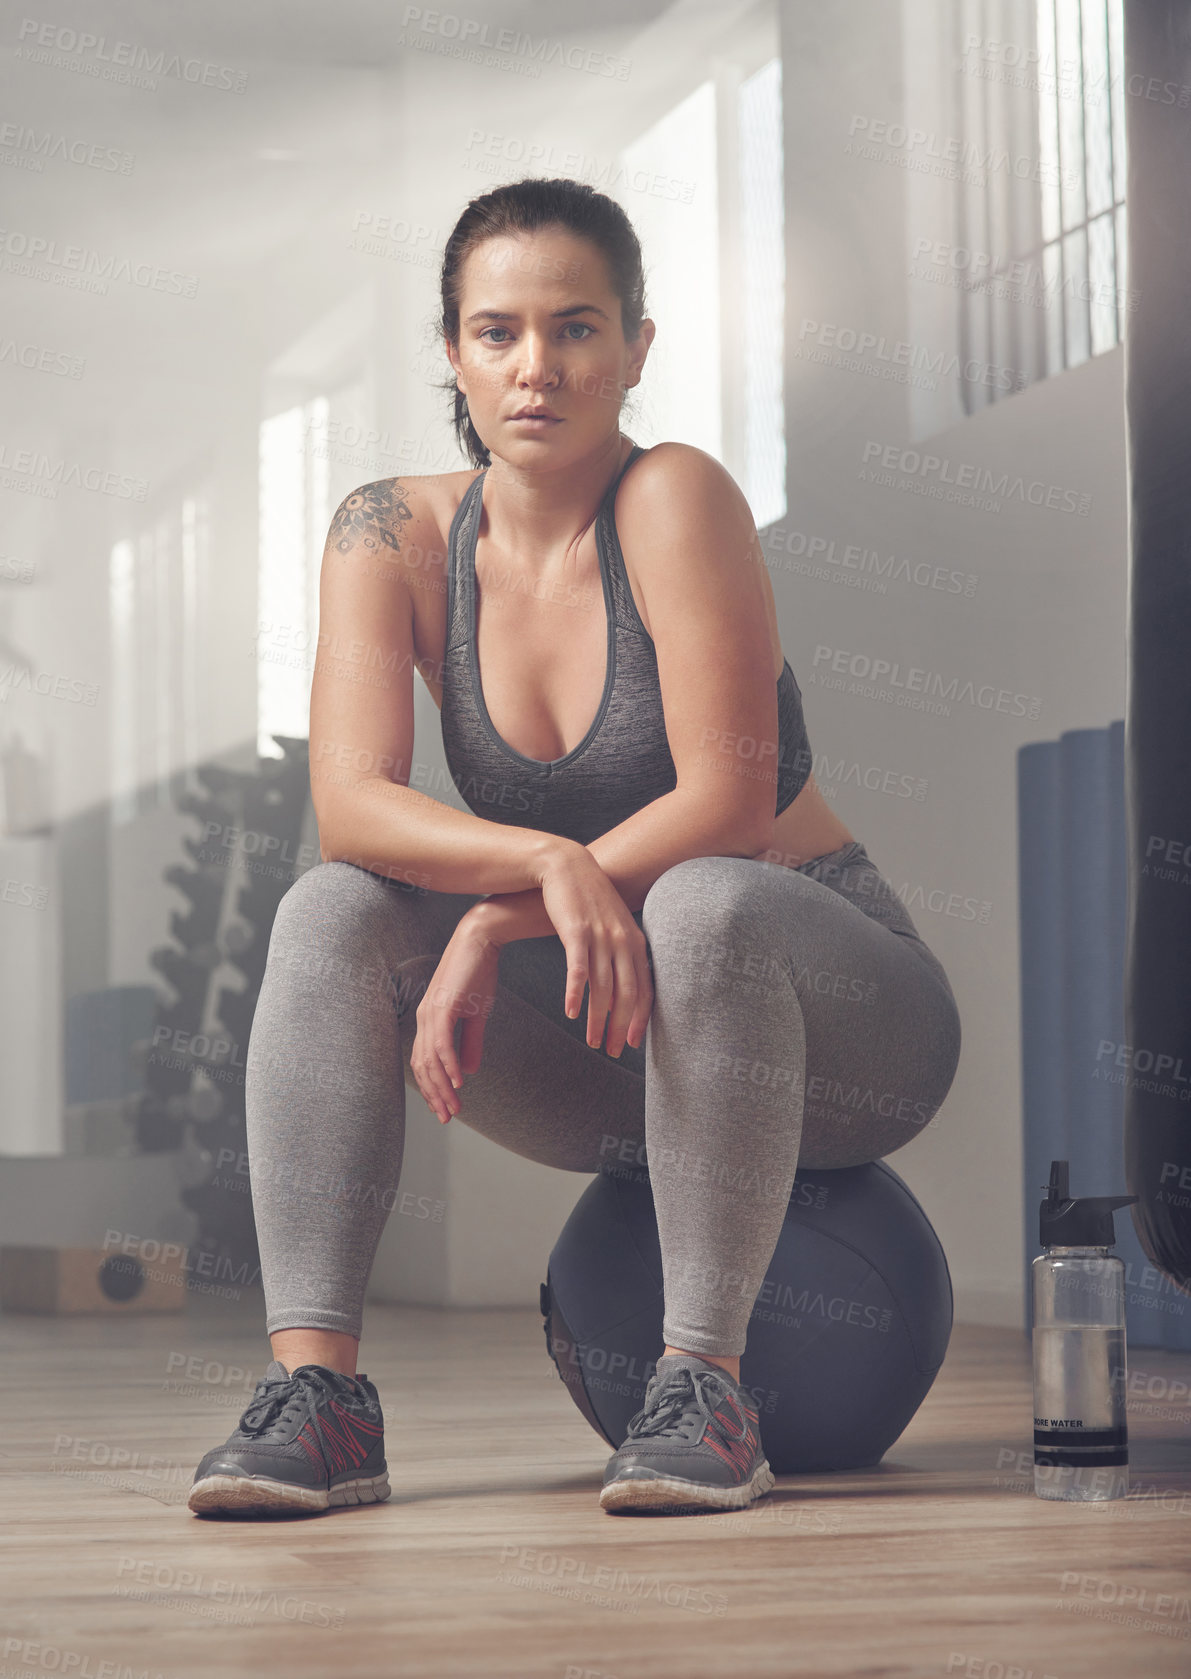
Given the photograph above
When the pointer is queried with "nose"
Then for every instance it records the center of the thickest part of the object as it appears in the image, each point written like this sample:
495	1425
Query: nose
538	369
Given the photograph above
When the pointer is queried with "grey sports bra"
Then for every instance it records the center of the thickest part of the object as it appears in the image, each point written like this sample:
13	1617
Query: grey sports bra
623	761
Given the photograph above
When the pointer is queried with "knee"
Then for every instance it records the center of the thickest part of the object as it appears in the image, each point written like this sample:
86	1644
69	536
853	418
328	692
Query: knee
333	908
326	895
705	900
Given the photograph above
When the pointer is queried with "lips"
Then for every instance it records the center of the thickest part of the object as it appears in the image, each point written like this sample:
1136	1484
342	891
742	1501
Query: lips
541	415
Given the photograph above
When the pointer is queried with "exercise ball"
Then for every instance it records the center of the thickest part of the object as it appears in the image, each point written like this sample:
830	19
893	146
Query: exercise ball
847	1334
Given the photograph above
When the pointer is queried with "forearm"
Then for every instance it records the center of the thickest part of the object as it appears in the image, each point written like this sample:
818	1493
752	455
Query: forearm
401	832
633	855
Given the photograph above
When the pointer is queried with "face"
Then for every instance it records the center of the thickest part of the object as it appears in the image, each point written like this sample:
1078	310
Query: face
539	327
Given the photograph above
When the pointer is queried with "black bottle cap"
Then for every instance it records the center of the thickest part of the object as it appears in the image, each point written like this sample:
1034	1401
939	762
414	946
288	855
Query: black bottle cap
1076	1222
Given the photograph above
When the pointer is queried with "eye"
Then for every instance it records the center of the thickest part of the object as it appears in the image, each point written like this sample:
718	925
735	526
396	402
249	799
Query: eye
583	327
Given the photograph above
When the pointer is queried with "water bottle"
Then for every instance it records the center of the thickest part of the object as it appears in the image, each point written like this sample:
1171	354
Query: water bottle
1081	1443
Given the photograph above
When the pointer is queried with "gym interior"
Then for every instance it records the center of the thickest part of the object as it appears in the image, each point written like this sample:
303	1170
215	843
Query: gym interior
934	255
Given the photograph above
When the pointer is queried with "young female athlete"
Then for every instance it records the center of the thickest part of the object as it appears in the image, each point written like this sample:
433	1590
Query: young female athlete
596	623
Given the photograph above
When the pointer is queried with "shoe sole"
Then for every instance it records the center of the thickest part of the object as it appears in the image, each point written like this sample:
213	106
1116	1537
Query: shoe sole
258	1492
671	1492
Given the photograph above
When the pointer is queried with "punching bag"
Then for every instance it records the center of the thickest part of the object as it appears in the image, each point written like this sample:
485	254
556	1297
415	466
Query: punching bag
1158	711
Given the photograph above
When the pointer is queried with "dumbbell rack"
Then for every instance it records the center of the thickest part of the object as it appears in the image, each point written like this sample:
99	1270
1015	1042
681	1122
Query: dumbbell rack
249	855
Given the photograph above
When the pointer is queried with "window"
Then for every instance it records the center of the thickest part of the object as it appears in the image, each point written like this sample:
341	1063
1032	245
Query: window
1081	131
295	513
1046	287
763	244
157	597
679	395
712	233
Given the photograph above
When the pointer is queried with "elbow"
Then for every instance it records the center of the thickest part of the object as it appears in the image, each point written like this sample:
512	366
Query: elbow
733	829
761	838
747	838
337	819
761	826
329	847
322	802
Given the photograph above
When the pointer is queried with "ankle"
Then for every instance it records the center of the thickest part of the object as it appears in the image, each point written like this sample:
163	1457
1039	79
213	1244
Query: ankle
731	1365
328	1347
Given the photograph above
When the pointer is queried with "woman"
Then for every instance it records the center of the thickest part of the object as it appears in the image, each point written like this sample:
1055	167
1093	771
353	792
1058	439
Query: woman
645	826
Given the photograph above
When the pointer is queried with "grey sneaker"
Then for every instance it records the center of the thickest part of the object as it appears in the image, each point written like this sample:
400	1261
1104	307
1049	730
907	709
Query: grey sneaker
694	1445
307	1440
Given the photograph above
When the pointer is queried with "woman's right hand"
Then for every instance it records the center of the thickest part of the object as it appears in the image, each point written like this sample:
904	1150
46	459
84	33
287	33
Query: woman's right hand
606	950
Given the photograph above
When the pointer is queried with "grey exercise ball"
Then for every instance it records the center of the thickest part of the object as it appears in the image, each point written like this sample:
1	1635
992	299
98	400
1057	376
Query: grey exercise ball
847	1334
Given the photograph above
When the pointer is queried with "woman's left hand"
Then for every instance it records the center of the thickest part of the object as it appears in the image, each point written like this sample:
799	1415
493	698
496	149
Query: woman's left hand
462	988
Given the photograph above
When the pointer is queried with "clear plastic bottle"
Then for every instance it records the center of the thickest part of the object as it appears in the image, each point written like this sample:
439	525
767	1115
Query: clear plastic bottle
1081	1443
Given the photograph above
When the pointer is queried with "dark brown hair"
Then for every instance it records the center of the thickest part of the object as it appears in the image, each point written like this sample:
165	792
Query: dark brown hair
523	207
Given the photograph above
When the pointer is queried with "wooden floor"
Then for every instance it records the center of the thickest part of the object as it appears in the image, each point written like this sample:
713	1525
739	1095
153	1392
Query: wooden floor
494	1560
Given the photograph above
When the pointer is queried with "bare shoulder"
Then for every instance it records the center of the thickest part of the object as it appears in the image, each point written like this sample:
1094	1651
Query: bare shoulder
389	517
683	466
674	492
685	528
681	484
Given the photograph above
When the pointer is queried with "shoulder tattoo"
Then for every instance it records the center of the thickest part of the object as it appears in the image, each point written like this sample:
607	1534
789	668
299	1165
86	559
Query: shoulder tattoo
371	517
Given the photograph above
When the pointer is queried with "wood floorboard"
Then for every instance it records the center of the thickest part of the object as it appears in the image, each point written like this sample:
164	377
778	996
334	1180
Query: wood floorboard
493	1560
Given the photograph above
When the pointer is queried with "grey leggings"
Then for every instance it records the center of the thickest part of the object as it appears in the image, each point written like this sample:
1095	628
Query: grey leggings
798	1020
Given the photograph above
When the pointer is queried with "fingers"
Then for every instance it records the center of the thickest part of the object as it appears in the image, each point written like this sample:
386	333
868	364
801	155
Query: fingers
435	1086
619	988
644	1007
641	1014
600	976
634	1003
624	998
434	1063
576	974
634	997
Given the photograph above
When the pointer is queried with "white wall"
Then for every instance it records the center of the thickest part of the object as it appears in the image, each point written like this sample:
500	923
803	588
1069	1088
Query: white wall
1044	618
